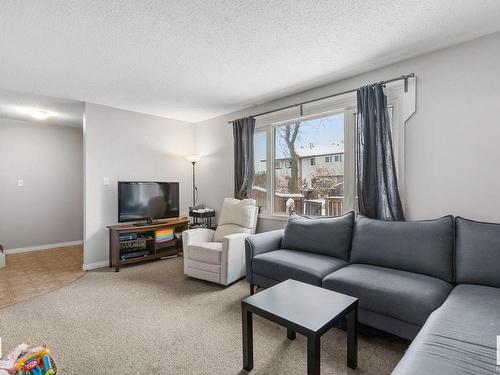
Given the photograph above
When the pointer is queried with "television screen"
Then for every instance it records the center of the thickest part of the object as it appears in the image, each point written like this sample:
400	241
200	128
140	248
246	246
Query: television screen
147	200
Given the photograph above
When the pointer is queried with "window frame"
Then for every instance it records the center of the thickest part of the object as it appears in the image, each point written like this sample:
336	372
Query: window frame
348	106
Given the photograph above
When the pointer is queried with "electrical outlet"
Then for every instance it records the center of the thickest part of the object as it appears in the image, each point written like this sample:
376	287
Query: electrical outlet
20	183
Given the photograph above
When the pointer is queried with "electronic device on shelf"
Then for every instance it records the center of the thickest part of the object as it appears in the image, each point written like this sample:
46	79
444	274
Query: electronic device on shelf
134	254
128	236
147	201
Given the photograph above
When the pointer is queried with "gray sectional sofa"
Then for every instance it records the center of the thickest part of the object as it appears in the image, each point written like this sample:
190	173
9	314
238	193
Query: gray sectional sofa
435	282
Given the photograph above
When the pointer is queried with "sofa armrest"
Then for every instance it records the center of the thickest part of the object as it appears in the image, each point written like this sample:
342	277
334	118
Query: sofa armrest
233	258
259	244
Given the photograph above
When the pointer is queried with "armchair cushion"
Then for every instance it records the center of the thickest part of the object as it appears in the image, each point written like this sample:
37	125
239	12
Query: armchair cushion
239	212
205	252
236	216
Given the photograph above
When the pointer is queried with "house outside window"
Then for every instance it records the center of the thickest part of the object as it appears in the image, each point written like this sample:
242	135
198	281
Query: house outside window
313	161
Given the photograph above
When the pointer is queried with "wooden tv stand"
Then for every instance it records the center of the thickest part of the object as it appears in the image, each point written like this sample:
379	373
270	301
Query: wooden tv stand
146	243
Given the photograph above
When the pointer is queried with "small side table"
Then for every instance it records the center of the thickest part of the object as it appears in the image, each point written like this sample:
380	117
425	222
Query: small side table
305	309
202	219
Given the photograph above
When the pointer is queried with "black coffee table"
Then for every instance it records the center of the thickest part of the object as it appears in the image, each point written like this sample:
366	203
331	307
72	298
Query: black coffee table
306	309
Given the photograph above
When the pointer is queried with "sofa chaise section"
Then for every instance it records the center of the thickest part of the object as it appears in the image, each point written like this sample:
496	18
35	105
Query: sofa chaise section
392	300
400	272
460	337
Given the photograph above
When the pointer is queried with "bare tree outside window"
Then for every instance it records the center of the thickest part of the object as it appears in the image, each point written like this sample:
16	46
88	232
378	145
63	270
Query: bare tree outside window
289	135
308	174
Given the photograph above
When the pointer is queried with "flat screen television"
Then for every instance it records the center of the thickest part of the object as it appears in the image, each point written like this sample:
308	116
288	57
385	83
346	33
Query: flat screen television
146	200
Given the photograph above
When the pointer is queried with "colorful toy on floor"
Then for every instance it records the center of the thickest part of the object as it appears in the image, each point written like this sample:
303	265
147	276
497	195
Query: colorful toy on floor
24	361
35	362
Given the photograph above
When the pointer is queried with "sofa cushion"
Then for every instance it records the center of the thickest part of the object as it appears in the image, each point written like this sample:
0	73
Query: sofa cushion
407	296
323	235
459	337
424	247
281	265
205	252
477	252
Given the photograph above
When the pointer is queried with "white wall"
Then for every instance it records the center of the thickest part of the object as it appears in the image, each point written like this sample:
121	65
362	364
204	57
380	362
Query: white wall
123	145
452	142
48	209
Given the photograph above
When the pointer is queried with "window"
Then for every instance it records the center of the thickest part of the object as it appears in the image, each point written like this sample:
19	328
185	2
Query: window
316	173
308	185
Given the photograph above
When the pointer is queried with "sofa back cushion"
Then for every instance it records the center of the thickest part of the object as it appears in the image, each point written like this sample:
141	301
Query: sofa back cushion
477	253
323	235
424	247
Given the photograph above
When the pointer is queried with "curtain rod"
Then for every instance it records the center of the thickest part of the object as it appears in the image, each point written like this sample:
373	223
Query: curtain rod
401	78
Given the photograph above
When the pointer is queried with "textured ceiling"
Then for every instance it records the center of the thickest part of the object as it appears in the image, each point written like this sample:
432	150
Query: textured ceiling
192	60
17	106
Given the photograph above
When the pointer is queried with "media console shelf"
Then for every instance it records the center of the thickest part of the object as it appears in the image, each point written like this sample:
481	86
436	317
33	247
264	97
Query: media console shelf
129	243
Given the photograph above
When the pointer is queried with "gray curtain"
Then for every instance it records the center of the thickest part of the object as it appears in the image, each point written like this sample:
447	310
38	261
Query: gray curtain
378	194
244	170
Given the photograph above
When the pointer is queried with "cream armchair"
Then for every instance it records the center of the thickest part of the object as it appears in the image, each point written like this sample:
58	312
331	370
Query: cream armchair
219	256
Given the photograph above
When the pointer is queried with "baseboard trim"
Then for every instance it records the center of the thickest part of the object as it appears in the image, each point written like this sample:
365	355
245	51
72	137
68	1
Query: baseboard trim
42	247
95	265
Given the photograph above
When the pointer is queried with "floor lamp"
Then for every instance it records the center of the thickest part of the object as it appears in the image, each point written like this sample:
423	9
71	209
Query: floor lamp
194	159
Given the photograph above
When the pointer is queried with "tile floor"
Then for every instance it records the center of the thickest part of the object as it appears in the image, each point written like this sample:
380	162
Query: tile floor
27	275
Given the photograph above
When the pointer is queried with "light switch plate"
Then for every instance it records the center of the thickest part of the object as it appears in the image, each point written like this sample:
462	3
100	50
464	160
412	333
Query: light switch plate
105	180
20	183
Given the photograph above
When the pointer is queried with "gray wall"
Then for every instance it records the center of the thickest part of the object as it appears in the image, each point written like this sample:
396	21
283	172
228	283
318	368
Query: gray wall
48	209
452	142
125	145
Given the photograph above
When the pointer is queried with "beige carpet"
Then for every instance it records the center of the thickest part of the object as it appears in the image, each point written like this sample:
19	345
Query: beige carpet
150	319
27	275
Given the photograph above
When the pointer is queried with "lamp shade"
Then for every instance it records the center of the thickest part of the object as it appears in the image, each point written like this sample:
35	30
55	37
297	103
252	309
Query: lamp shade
193	158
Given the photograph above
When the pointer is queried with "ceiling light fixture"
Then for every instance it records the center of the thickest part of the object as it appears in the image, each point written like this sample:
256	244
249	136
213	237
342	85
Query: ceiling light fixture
39	114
